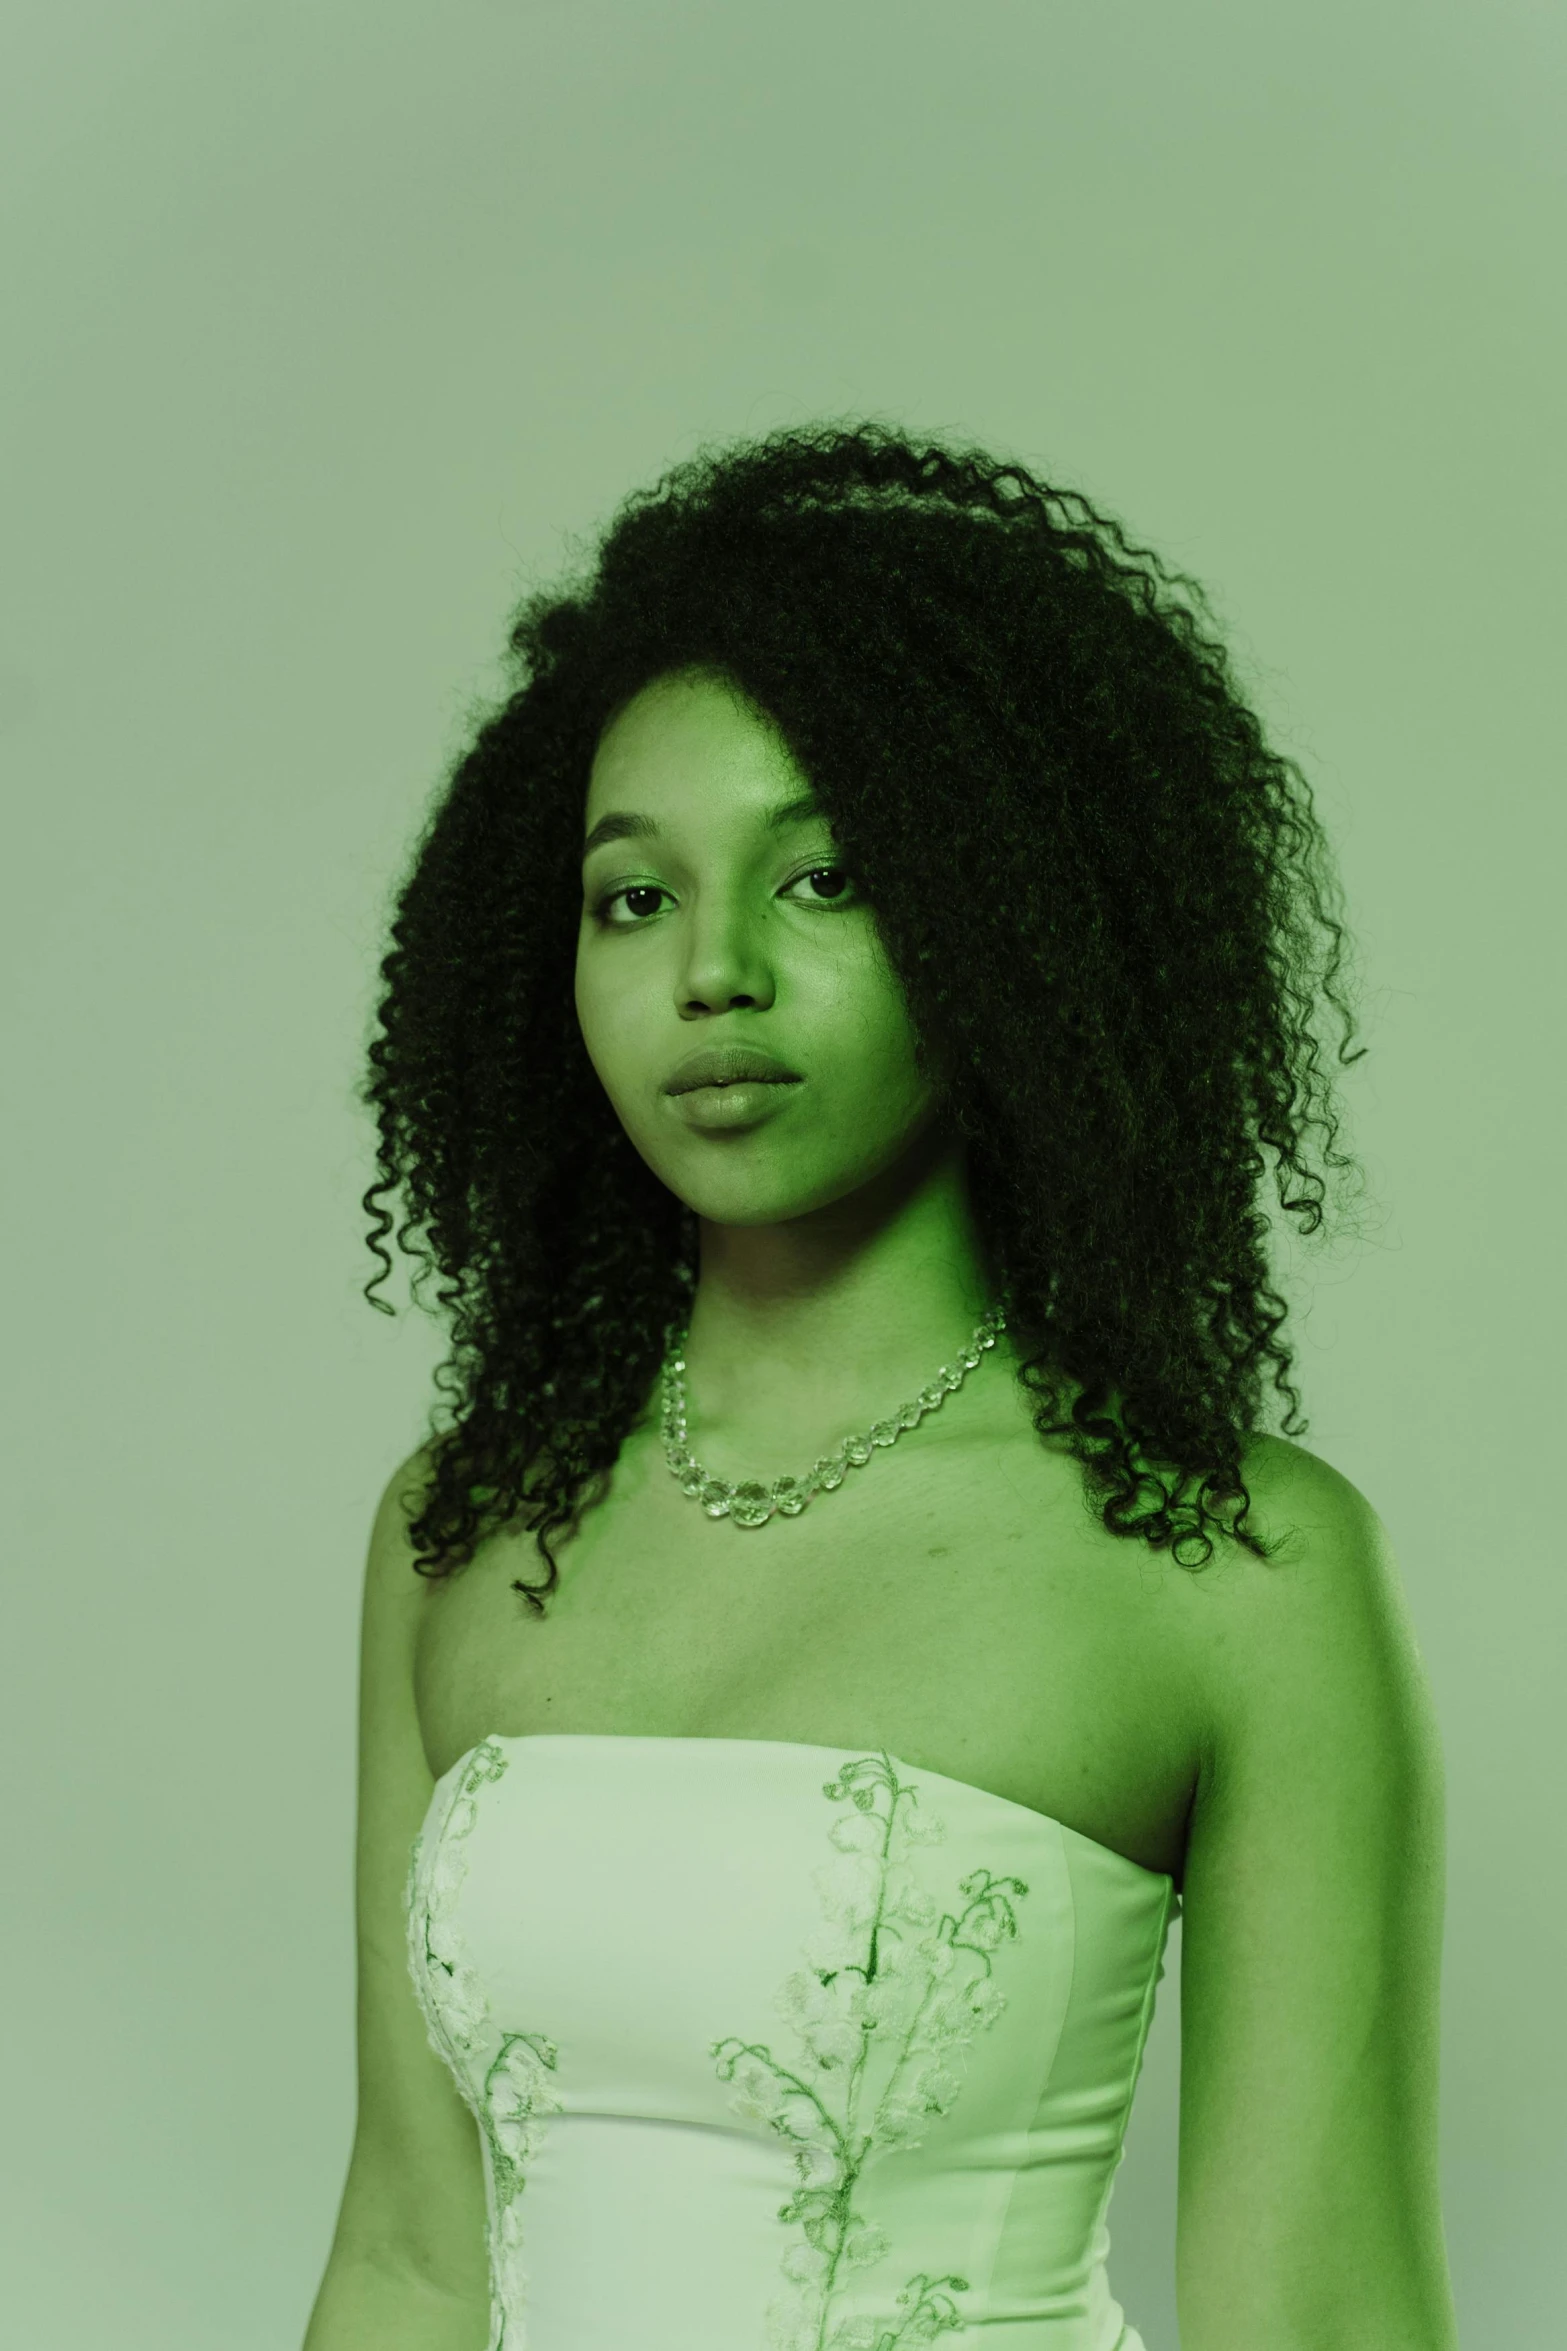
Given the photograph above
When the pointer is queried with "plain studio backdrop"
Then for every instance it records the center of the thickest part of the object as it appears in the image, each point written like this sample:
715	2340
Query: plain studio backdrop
328	326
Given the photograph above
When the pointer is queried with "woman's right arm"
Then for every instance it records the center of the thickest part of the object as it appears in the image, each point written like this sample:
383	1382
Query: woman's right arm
365	2308
408	2269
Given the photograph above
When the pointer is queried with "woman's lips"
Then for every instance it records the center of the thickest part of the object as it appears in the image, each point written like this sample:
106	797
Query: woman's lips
739	1102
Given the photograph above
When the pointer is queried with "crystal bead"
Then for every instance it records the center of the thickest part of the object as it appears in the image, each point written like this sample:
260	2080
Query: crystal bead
949	1378
714	1497
692	1481
751	1505
933	1395
968	1357
790	1495
911	1416
856	1450
828	1472
883	1432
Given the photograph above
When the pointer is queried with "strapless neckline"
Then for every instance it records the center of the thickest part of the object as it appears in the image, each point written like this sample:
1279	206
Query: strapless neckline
1045	1820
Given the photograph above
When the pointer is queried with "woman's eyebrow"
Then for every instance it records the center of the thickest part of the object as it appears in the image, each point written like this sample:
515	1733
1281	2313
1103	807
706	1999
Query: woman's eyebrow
621	825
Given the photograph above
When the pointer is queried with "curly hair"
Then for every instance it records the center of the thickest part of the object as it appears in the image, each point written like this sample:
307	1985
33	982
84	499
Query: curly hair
1104	894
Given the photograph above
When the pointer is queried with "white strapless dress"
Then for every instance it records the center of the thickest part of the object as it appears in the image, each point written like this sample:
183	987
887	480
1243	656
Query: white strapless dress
776	2047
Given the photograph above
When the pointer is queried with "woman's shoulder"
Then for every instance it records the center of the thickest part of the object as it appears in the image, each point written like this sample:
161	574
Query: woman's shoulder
1327	1604
1298	1498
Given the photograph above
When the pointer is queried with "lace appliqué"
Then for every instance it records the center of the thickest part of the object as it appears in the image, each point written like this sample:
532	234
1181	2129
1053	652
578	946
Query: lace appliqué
885	2013
513	2095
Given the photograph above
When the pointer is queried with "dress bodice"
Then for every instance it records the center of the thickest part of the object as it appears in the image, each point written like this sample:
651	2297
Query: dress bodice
776	2047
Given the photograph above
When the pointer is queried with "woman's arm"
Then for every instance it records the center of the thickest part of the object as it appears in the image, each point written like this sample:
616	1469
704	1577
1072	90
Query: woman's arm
409	2264
1309	2213
363	2308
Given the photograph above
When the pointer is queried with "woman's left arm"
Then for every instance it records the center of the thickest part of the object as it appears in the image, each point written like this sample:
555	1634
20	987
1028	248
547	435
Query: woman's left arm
1309	2211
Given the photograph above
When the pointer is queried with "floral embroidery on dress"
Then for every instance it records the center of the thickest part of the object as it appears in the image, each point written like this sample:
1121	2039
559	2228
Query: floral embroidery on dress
514	2095
885	1975
449	1992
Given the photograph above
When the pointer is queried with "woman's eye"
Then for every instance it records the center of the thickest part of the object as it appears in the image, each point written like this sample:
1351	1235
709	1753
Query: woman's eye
630	890
810	876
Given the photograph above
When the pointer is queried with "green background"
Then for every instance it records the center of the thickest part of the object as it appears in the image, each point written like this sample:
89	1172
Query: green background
327	326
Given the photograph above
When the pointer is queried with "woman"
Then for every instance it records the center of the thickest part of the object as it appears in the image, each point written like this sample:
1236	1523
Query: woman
834	1014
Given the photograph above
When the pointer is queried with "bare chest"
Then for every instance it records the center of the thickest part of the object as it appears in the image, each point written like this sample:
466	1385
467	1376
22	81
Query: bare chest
958	1607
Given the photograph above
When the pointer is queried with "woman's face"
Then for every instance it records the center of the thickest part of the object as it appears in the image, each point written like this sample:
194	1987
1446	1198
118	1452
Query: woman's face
713	927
